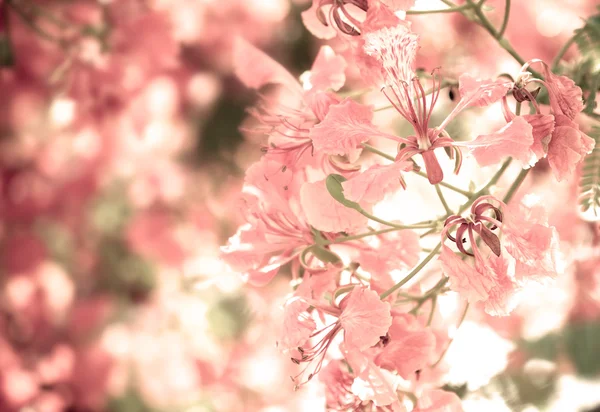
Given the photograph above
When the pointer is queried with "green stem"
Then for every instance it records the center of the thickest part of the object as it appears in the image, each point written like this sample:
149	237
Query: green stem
413	273
432	312
448	10
512	190
564	49
374	233
505	20
442	199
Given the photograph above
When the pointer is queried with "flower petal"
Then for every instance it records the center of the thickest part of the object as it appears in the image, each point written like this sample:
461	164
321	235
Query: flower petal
325	213
365	318
482	93
327	71
344	128
255	69
514	140
373	184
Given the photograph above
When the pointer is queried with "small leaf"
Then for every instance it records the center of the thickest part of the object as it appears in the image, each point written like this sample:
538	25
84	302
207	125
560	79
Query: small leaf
324	255
336	190
589	184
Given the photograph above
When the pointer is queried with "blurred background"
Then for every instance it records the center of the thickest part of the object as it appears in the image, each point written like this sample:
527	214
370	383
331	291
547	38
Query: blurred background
121	162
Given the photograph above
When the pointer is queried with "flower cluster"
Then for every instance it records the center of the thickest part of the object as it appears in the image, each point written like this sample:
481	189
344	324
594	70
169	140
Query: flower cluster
309	202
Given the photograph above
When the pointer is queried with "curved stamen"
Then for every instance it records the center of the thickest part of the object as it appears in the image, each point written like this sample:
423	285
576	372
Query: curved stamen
460	240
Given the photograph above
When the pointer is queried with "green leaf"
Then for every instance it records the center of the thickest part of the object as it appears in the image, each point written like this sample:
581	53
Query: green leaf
582	344
589	184
324	255
336	190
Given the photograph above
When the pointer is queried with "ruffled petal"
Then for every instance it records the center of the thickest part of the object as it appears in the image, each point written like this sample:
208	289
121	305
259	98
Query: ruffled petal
373	184
514	140
344	128
365	318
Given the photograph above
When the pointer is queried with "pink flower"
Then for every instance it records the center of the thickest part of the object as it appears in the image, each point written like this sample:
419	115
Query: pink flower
395	50
527	253
363	317
274	234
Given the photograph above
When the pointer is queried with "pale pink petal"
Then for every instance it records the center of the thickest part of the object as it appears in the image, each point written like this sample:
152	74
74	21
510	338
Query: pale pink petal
394	50
513	140
315	285
255	69
502	296
365	318
464	279
314	25
327	72
482	93
297	325
373	184
565	95
344	128
376	385
399	250
437	400
567	147
543	126
325	213
266	273
476	93
529	239
320	102
397	5
408	353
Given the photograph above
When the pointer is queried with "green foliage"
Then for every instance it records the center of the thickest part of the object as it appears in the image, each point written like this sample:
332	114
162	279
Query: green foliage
336	190
122	272
587	71
229	317
589	184
582	344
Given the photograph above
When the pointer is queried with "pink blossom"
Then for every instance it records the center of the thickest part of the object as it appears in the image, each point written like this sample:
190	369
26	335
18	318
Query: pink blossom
325	213
364	318
526	253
